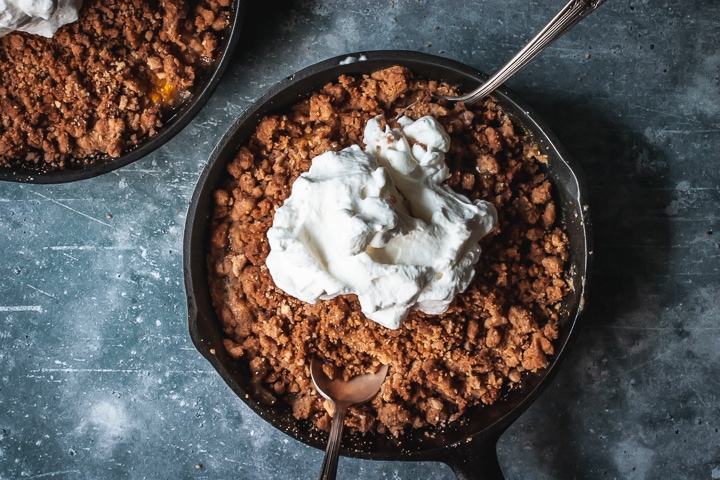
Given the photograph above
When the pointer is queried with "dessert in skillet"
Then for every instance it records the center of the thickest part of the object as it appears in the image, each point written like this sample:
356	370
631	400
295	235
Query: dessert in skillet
370	224
103	84
380	224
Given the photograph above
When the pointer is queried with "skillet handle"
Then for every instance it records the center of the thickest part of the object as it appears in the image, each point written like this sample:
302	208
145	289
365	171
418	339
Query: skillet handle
474	460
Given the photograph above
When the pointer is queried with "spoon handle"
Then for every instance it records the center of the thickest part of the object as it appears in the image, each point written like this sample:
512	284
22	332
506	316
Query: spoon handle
568	17
332	451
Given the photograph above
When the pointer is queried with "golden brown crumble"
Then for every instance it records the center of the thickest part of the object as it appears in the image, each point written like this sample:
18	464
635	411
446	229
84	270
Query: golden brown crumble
102	84
502	326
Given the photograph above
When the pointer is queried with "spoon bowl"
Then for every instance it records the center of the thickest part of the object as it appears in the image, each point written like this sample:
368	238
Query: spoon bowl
342	394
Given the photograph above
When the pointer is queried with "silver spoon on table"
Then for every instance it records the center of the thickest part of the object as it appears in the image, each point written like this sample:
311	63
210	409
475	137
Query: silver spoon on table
342	394
568	17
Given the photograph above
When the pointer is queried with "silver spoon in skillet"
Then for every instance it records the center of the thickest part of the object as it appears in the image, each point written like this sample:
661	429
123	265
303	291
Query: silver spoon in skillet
568	17
342	394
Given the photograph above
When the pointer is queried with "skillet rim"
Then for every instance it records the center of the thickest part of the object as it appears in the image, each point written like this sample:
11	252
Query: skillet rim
328	70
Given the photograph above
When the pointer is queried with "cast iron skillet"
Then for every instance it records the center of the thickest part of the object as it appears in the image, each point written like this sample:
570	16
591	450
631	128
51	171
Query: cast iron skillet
469	447
171	127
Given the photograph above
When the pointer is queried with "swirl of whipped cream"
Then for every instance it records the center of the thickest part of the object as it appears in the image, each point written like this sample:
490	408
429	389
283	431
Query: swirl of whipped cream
381	224
39	17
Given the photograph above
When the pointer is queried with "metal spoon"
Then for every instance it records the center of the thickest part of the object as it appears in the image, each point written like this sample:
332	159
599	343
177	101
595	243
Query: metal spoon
342	394
568	17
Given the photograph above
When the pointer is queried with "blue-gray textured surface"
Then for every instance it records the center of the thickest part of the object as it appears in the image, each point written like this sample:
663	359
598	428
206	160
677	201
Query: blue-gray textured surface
98	377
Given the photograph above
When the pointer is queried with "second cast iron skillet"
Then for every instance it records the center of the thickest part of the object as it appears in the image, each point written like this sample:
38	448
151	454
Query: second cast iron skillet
469	446
205	85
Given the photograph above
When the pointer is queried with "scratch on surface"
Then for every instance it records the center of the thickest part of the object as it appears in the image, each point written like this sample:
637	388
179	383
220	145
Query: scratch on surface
62	248
40	291
154	173
236	462
21	308
112	370
685	132
652	110
669	328
73	210
52	474
651	362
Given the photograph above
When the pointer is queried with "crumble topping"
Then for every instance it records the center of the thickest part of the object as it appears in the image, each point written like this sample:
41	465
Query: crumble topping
502	326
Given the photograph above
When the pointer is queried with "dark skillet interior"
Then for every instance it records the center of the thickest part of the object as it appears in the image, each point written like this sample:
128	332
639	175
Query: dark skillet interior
171	125
483	424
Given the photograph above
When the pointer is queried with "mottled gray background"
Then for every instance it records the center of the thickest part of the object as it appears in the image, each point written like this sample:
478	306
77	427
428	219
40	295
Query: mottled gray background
98	377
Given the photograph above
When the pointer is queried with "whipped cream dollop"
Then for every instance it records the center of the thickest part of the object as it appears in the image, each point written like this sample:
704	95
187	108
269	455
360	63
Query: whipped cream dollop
381	224
40	17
